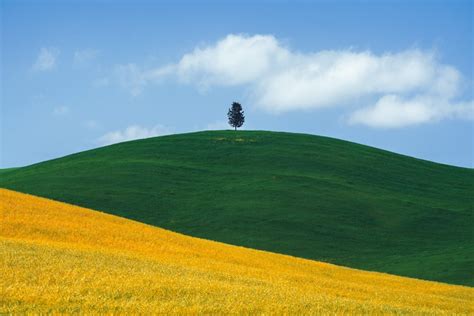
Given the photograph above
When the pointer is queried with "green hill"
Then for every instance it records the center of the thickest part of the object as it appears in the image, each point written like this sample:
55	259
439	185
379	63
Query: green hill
303	195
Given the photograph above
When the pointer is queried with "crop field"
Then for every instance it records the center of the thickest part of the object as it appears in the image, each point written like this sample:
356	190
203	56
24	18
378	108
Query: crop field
302	195
62	258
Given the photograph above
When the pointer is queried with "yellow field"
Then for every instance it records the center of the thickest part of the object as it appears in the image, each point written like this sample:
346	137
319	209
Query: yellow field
62	258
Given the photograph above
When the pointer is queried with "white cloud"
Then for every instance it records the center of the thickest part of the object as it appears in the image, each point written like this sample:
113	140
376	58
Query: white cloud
392	111
282	80
61	110
133	132
46	59
83	57
234	60
336	77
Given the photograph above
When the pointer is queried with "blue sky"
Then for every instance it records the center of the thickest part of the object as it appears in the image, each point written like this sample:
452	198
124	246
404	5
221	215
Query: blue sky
391	74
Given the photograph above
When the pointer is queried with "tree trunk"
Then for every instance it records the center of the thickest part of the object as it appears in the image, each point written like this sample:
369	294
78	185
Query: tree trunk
235	128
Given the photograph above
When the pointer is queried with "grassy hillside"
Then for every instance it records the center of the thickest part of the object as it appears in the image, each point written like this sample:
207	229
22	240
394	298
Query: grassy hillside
303	195
62	258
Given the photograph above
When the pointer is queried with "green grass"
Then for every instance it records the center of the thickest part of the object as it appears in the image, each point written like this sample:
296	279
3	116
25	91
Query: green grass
303	195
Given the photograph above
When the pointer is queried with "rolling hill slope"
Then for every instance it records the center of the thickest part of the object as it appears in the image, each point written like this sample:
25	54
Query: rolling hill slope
302	195
62	258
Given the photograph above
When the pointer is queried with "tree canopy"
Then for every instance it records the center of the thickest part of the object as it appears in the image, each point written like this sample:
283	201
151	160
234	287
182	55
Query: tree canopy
236	115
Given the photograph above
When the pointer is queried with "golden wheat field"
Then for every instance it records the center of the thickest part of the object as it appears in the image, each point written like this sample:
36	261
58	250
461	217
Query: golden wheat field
59	258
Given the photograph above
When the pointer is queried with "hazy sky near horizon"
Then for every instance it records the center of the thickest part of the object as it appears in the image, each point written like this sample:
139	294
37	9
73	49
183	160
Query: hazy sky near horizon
397	75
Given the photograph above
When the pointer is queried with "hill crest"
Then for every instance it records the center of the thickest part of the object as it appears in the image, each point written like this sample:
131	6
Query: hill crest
297	194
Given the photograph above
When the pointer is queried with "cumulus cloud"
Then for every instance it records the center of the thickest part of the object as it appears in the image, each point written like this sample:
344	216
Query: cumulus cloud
83	57
283	80
132	132
335	77
393	111
46	59
235	60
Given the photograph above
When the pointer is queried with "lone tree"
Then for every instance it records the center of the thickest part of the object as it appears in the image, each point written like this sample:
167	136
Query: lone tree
236	115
